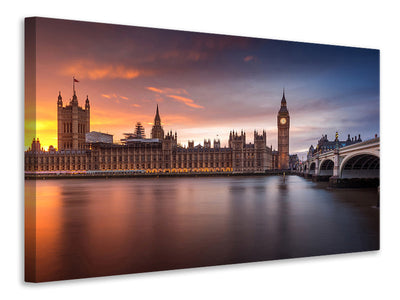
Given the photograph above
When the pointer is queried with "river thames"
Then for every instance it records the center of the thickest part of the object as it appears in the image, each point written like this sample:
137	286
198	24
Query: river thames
97	227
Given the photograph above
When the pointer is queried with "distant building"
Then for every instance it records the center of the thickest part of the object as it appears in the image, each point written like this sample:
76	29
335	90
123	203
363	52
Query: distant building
155	155
80	150
293	161
99	137
35	147
324	145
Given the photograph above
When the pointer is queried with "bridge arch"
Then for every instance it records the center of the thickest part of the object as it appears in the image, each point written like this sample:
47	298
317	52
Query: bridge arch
360	165
326	167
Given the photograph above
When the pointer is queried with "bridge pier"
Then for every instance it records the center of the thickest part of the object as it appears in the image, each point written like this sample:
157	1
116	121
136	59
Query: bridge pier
317	161
307	176
317	178
336	163
336	182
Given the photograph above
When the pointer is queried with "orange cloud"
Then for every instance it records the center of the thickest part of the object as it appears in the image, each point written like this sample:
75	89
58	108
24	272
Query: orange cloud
186	101
167	90
153	89
248	58
136	105
189	55
114	97
94	71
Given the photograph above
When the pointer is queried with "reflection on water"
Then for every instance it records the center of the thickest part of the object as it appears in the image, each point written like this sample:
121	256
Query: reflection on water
95	227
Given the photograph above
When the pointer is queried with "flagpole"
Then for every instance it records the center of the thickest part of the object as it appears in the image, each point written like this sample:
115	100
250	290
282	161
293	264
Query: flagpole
73	84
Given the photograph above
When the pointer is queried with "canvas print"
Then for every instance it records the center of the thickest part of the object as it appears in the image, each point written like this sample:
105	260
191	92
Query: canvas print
150	149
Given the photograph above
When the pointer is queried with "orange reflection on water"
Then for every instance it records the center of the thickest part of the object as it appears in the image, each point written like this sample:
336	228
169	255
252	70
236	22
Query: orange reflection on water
96	227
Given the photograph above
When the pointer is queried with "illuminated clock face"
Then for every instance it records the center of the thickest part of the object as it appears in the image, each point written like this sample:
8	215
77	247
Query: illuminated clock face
283	121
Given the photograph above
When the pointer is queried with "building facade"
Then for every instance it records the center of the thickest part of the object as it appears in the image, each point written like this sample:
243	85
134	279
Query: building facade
325	145
156	156
159	154
73	122
283	120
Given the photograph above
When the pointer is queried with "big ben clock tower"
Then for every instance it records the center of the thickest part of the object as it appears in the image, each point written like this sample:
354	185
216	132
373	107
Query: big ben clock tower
283	135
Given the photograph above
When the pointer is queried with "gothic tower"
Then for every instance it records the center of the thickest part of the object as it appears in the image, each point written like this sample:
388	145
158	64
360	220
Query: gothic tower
261	151
157	132
283	135
237	143
73	122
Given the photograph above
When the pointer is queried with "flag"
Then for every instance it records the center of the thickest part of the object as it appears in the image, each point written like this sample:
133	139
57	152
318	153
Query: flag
76	80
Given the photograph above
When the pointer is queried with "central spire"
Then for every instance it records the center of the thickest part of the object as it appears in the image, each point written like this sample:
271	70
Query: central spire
157	119
157	131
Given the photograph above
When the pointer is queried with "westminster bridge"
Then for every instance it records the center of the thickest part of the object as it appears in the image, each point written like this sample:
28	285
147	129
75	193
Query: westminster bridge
353	165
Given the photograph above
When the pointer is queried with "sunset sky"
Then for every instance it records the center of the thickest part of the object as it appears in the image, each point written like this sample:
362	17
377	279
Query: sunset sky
205	85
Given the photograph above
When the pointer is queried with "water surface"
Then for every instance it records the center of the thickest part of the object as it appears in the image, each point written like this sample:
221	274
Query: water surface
96	227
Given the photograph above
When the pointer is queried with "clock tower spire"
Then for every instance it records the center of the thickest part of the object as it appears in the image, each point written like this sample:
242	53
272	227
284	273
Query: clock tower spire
283	135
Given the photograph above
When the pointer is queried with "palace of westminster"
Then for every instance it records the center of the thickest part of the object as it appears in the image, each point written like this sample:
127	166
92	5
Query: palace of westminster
82	150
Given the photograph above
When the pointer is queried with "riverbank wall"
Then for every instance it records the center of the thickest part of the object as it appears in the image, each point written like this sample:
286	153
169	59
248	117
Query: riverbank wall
146	175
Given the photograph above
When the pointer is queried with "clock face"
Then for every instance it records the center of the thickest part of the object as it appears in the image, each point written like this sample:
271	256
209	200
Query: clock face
283	121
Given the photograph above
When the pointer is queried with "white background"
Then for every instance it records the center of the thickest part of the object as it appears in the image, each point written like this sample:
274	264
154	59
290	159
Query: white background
370	24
